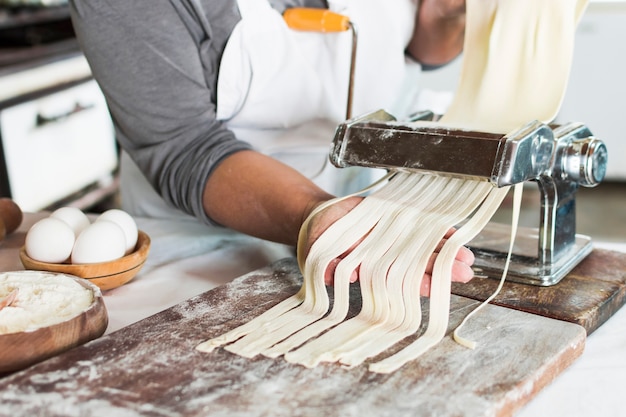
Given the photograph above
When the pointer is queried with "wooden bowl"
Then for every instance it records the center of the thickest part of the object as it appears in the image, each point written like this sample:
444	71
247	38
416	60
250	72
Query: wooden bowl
22	349
106	275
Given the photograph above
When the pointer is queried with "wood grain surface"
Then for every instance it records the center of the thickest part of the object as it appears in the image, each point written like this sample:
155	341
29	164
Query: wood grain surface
591	293
152	369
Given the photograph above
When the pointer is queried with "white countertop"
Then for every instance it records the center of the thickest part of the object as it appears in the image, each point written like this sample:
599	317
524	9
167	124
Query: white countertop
594	384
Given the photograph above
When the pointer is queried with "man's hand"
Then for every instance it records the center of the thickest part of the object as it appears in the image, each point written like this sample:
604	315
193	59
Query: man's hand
461	270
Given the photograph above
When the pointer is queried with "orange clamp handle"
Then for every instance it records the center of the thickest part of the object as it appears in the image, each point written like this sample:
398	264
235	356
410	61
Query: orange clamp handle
316	20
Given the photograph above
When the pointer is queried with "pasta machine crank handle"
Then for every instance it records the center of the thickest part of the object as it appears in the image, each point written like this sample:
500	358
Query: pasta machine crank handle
325	21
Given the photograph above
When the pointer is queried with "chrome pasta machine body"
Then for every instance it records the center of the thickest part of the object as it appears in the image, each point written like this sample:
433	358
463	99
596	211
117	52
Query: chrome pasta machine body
559	158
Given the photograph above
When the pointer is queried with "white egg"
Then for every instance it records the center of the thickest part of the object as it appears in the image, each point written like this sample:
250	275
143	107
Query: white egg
50	240
74	217
102	241
126	222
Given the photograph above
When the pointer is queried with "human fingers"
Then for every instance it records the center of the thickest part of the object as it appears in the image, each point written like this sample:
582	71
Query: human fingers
461	267
329	274
464	255
324	219
425	287
461	272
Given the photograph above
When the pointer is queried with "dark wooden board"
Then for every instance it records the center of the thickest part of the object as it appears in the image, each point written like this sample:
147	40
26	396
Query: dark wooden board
589	295
152	369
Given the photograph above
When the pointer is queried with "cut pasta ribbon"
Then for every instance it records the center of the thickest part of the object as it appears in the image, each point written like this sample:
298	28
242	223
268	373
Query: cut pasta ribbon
512	50
517	203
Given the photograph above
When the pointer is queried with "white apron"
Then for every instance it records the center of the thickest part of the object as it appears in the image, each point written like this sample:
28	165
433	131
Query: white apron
285	91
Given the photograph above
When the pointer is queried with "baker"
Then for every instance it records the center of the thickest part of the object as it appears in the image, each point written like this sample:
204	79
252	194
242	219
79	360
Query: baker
224	114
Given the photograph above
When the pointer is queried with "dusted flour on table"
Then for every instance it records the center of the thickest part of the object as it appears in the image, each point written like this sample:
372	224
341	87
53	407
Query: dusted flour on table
43	299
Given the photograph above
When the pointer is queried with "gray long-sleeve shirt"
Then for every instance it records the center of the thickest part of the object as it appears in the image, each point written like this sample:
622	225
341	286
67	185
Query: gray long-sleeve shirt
156	62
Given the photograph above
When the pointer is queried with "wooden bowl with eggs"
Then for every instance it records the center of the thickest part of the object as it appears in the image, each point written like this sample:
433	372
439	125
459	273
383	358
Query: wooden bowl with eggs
106	275
42	320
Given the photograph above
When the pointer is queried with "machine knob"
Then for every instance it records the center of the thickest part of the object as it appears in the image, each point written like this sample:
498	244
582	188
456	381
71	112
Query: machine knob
585	161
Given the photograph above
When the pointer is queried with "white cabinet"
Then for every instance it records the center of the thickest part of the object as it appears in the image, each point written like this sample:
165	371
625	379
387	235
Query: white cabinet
57	145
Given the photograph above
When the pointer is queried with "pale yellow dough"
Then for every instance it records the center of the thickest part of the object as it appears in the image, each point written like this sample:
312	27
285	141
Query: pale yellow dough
515	69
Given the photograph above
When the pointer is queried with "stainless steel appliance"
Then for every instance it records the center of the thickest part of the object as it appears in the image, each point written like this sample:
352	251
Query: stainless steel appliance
559	158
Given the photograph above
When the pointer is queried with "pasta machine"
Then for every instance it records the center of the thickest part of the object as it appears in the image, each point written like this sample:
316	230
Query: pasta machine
559	158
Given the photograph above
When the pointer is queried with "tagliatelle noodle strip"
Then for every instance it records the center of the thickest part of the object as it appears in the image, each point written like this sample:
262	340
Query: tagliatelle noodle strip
517	203
406	274
369	248
411	227
387	233
289	303
261	340
315	304
440	289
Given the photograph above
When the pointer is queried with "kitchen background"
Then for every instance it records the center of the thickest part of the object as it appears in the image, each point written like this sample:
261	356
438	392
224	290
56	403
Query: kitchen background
57	145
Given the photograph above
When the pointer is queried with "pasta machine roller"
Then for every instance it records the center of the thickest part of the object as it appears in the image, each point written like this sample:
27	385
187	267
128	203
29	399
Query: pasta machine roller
559	158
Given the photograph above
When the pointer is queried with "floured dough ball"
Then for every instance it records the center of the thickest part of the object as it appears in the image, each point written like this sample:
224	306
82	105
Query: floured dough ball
49	240
126	223
74	217
11	214
102	241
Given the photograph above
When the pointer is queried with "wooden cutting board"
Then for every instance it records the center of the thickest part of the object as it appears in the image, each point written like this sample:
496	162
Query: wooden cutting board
589	295
151	368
